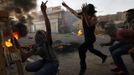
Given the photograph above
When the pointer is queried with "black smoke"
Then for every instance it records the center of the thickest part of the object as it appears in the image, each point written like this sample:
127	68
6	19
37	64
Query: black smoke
21	28
18	5
26	5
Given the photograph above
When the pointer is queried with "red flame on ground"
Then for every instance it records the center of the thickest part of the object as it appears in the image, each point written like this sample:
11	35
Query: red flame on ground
8	42
15	35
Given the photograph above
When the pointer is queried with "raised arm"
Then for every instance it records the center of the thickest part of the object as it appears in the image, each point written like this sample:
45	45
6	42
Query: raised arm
71	10
47	22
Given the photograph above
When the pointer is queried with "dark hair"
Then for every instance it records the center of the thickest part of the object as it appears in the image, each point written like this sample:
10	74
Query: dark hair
40	37
130	11
130	15
90	9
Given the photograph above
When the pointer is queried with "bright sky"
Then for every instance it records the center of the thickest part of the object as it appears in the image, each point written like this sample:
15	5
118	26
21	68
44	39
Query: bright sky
102	6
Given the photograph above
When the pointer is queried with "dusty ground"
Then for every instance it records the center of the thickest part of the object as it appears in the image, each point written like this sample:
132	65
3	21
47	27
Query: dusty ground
69	62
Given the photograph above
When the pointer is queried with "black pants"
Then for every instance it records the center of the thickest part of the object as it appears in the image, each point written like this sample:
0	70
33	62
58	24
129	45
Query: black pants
87	45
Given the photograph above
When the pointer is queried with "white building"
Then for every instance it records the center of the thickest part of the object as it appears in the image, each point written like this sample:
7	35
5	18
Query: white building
55	17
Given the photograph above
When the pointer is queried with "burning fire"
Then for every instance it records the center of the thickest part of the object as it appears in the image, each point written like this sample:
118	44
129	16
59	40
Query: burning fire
79	33
15	35
8	43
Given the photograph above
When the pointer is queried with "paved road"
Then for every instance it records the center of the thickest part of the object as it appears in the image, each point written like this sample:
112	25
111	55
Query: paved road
69	62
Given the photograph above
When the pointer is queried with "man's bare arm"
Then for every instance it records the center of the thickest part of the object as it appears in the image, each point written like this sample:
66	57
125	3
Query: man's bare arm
71	10
47	22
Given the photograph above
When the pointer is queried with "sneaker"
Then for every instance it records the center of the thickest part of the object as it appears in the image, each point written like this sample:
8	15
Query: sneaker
115	70
120	72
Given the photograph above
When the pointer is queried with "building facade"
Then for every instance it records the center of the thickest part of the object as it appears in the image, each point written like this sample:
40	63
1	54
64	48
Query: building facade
61	21
55	17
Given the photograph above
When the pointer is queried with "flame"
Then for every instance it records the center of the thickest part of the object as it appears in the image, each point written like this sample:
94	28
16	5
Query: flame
15	35
79	33
8	43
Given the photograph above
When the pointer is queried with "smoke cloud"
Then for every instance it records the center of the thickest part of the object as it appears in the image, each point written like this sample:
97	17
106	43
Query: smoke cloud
26	5
19	5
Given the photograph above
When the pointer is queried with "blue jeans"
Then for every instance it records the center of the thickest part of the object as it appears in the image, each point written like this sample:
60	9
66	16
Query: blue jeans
42	68
117	51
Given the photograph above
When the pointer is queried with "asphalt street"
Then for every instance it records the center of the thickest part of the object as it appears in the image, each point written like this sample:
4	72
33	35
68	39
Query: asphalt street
69	62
